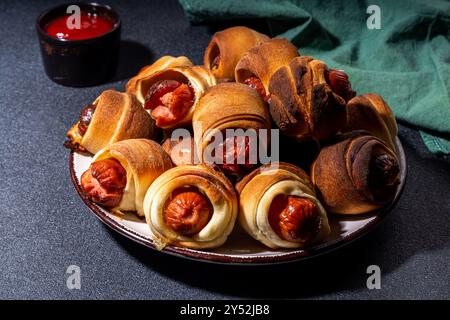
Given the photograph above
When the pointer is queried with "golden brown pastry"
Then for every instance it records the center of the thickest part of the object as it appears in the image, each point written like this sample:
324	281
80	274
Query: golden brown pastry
371	113
112	117
259	63
229	106
171	95
191	206
308	100
356	175
121	173
278	207
227	47
160	64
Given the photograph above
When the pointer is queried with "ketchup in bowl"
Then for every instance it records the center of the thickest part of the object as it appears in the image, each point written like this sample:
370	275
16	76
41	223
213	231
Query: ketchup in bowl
83	56
91	26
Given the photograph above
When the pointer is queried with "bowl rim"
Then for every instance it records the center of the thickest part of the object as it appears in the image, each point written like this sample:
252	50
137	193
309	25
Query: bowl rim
44	13
223	258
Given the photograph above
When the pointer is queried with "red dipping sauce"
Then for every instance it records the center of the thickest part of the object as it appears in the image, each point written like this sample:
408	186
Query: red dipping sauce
91	26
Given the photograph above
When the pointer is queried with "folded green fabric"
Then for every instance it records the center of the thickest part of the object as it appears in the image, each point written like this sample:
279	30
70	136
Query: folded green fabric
407	61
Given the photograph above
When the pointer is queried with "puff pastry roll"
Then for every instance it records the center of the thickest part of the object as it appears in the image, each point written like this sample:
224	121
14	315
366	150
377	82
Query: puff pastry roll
230	106
191	206
113	116
278	207
356	175
171	95
160	64
259	63
121	173
371	113
227	47
308	99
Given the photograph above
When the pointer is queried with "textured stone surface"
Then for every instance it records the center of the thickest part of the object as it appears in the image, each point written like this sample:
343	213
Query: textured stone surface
45	227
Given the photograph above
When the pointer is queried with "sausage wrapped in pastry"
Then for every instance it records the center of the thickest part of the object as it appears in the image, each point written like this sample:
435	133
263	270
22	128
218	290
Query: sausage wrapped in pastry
258	64
230	106
356	175
121	173
227	47
278	207
191	206
171	95
308	99
371	113
114	116
160	64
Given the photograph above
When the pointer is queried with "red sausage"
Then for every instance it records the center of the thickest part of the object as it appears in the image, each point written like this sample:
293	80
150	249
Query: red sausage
187	211
104	182
294	218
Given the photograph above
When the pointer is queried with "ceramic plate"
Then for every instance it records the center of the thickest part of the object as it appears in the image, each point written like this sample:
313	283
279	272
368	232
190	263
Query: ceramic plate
240	248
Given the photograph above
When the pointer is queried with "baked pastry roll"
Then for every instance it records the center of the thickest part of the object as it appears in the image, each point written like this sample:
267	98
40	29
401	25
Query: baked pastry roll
259	63
308	100
160	64
112	117
278	207
121	173
191	206
227	47
371	113
356	175
230	106
171	95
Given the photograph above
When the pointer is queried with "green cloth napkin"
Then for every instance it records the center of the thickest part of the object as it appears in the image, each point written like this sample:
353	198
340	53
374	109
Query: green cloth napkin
407	61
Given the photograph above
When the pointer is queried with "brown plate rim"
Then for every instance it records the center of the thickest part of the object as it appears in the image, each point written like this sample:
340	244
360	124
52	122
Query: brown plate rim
223	258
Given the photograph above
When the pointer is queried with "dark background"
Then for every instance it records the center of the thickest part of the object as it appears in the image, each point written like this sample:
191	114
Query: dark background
45	227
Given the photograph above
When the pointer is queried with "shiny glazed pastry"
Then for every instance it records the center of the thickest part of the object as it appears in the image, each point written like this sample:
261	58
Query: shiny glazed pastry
191	206
121	173
278	207
160	64
258	64
171	95
308	100
371	113
356	175
114	116
229	106
226	49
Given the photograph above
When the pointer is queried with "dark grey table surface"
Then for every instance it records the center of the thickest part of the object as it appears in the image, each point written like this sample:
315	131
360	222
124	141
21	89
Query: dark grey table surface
45	227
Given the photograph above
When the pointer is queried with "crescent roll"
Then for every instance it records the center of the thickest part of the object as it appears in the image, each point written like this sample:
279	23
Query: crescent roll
371	113
308	100
191	206
229	106
259	63
356	175
113	116
279	208
160	64
121	173
171	95
227	47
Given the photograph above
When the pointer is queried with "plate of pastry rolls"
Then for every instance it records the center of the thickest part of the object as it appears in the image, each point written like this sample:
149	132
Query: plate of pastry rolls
260	155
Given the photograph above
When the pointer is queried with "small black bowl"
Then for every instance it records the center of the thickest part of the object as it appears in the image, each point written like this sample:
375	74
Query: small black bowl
80	63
